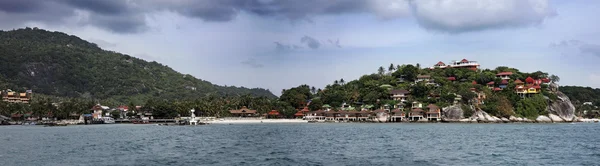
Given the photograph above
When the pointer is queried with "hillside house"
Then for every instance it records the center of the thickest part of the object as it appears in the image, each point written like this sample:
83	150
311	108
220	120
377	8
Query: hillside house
504	75
399	95
472	65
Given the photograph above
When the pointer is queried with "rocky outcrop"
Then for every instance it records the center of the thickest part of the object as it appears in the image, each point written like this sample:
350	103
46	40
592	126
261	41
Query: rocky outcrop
543	119
452	113
562	106
555	118
482	116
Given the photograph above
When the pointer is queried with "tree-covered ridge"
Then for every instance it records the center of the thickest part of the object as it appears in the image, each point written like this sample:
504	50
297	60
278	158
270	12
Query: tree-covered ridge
54	63
447	85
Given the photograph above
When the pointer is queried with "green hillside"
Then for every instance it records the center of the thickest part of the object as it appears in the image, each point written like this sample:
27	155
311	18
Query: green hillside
57	64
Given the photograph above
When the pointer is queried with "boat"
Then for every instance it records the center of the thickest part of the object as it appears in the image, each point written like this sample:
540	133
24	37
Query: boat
108	120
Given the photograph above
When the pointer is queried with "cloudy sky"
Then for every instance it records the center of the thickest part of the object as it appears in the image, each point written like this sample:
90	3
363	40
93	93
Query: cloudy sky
279	44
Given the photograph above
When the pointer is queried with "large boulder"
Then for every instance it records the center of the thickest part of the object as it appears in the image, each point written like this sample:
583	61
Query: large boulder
482	116
452	113
543	119
562	106
505	120
555	118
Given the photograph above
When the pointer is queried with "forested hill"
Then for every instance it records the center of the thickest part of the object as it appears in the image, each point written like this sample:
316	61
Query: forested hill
580	95
57	64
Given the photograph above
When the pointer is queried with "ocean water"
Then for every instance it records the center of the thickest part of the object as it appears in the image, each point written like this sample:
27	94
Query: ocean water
302	144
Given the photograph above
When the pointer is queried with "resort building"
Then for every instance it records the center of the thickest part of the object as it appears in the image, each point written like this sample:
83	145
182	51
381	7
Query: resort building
244	112
425	78
416	112
399	95
530	86
504	75
397	115
472	65
434	113
503	84
97	111
490	84
15	97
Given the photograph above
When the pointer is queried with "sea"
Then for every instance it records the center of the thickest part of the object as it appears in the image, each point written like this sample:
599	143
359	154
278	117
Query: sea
302	144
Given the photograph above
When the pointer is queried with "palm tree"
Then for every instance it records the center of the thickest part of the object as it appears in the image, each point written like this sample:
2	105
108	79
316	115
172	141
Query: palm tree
313	90
391	68
381	70
335	82
342	81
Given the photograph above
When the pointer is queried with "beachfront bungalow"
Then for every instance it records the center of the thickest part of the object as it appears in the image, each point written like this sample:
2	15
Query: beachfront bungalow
244	112
398	115
315	115
433	113
399	95
415	114
472	65
97	111
273	114
504	75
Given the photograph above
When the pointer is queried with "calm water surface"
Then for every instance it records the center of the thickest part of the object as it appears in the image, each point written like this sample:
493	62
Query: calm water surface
303	144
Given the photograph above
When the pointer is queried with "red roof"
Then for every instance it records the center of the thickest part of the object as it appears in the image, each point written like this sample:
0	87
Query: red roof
464	60
497	89
529	80
452	78
504	82
537	87
274	112
545	80
432	106
305	109
518	81
504	74
298	114
491	83
474	83
441	63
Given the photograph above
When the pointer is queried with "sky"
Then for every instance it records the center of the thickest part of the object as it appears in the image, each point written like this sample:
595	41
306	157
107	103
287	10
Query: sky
279	44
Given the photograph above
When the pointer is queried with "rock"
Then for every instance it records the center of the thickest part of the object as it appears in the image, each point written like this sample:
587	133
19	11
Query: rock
474	121
505	120
562	106
543	119
452	113
526	120
466	120
555	118
514	119
497	119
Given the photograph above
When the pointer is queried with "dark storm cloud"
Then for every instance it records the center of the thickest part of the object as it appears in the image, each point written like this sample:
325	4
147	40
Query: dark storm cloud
127	16
105	7
310	42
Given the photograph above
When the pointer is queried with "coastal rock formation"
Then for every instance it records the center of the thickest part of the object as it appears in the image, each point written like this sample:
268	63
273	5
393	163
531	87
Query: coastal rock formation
482	116
555	118
543	119
505	120
562	106
452	113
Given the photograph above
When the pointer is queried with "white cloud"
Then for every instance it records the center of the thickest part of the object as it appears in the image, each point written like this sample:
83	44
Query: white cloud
457	16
